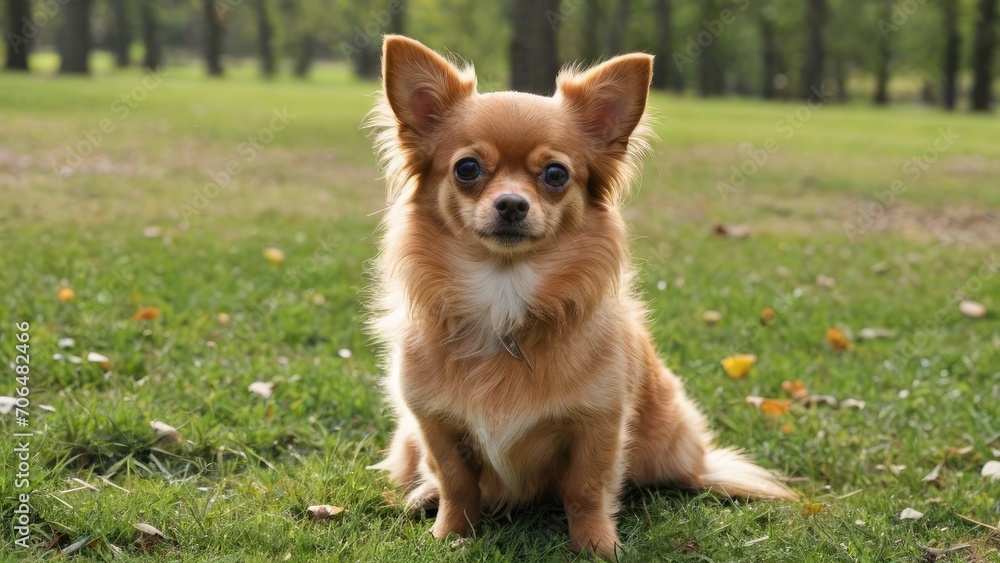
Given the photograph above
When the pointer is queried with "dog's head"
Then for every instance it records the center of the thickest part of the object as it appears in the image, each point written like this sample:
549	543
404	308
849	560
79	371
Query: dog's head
512	170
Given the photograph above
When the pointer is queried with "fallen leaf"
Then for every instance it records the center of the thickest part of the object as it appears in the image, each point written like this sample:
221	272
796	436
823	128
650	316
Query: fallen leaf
146	314
65	342
318	299
964	450
788	428
65	294
75	546
164	429
852	404
223	319
796	389
871	333
934	475
910	514
829	400
344	353
825	281
324	511
895	469
262	388
972	309
689	546
775	407
935	552
992	470
757	540
7	404
712	317
767	316
732	231
151	231
149	530
838	339
46	408
738	366
100	359
274	255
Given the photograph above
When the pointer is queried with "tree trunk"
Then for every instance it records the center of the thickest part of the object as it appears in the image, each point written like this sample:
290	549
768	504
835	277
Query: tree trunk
265	38
665	73
812	69
74	40
619	27
591	30
882	56
952	54
534	61
982	56
840	78
214	22
711	77
397	23
123	33
307	48
770	52
153	59
366	61
18	30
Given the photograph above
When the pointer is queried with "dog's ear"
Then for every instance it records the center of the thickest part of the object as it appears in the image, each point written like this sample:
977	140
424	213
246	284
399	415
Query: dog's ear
420	85
610	97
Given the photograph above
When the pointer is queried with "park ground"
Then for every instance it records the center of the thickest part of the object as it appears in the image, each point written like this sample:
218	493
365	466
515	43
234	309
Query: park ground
840	217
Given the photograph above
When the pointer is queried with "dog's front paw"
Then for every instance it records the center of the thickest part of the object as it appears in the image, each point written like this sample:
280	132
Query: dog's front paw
597	537
426	496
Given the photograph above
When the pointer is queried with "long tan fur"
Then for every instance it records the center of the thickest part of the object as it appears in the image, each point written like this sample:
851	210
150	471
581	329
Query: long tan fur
522	369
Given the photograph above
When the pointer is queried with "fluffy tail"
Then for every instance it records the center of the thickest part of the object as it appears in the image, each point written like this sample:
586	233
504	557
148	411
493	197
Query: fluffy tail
730	473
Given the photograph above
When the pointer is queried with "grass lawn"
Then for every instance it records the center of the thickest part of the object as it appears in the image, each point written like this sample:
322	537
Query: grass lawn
139	221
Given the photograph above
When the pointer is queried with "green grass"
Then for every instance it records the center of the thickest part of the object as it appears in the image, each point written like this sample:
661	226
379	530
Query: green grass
237	486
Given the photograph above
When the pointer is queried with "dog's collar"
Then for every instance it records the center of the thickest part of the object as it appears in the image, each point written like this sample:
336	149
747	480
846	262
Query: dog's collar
509	342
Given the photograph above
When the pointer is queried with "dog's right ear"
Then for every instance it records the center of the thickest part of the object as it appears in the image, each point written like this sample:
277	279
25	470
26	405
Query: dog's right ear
420	85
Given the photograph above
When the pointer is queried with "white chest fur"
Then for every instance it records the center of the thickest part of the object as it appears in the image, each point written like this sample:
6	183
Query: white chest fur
497	296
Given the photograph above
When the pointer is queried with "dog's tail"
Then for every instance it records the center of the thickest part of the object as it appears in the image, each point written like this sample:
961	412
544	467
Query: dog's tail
728	472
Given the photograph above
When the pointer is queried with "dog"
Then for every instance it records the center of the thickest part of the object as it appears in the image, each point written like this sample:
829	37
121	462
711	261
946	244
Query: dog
519	364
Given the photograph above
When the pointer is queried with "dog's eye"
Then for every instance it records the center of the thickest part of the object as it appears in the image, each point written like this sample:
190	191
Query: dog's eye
555	176
468	170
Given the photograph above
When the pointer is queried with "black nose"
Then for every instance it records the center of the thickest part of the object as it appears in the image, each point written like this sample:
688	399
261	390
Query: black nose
512	207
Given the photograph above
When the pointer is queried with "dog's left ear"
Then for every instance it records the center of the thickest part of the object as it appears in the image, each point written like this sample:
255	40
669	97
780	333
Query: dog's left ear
610	98
420	85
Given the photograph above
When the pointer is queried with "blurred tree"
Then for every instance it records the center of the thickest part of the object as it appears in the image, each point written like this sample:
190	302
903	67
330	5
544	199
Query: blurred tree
74	38
153	58
215	17
592	18
952	53
882	55
17	43
122	33
983	46
665	73
711	75
618	26
265	37
812	67
534	62
770	50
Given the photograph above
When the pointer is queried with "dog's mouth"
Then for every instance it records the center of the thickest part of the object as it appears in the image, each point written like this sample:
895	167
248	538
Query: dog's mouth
506	235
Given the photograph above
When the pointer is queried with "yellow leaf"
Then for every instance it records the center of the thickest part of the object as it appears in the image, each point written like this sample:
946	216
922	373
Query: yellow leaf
788	428
775	407
738	366
146	314
796	389
65	294
767	316
812	508
837	339
274	255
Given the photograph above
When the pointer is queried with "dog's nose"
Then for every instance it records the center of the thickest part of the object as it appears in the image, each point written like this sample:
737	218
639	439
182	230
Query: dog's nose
512	207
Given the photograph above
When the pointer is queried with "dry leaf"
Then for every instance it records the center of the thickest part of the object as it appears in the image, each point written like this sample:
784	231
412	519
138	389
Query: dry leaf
99	359
151	231
164	429
934	475
825	281
223	319
274	255
910	514
767	316
775	407
262	388
65	342
65	294
147	529
732	231
992	470
712	317
738	366
837	339
964	450
852	404
825	399
796	389
46	408
895	469
324	511
971	308
146	314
